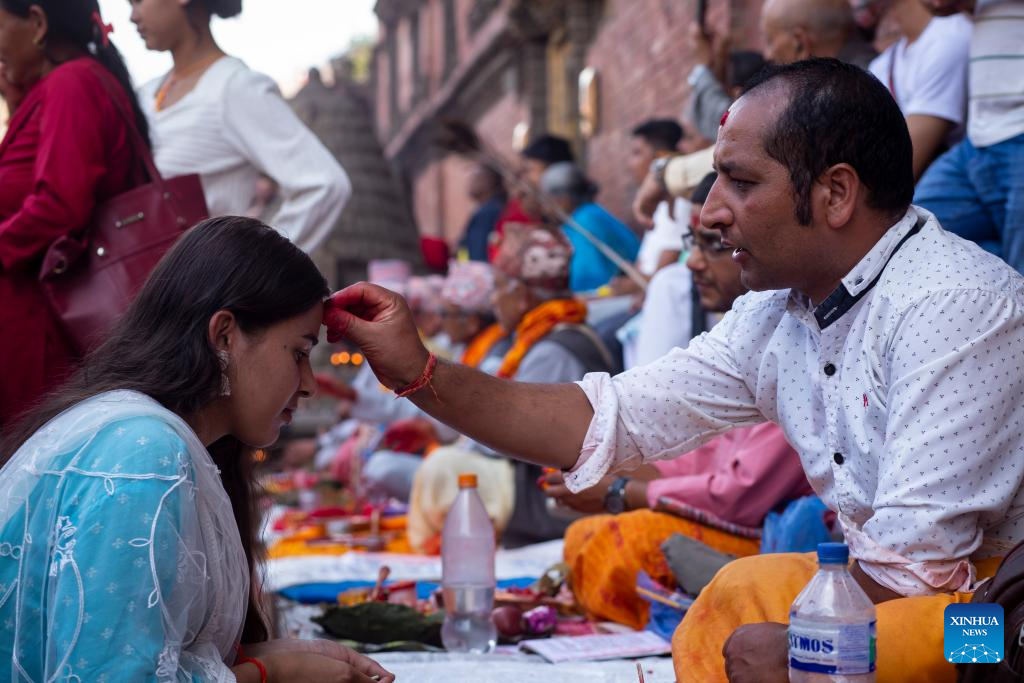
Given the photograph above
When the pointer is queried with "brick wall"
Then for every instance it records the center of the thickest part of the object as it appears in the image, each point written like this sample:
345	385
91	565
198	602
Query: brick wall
639	49
440	201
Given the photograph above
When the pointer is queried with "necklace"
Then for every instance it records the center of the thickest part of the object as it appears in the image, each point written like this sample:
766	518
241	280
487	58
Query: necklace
175	78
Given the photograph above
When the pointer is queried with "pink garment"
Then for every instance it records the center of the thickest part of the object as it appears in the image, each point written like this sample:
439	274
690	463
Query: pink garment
739	476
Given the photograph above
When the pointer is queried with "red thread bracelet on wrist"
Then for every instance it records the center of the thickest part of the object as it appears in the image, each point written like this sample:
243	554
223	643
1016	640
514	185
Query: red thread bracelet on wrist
421	381
242	659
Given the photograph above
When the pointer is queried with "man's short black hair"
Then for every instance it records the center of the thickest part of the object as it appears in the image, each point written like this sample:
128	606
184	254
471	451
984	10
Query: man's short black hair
838	113
743	66
661	134
550	149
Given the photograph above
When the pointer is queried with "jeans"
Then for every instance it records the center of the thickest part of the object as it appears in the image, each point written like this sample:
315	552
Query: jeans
978	193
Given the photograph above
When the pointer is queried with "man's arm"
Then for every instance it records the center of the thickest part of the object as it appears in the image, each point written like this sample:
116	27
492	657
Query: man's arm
927	133
937	102
541	423
708	98
650	413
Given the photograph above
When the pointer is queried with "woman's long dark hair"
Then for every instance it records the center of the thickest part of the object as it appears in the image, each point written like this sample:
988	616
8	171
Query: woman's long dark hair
161	346
73	22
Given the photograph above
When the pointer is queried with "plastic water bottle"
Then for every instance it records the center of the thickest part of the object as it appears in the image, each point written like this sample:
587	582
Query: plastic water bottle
467	566
832	625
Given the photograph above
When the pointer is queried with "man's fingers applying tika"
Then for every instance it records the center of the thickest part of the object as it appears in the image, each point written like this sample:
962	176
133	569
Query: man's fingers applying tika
346	311
360	299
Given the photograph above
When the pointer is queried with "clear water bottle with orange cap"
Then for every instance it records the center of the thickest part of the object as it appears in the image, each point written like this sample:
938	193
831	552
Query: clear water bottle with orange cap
467	566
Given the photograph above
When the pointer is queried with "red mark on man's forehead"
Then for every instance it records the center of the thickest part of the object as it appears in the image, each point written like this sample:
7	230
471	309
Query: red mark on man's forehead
725	117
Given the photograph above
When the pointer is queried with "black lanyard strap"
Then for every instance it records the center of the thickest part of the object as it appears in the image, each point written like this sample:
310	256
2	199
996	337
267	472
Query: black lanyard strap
840	301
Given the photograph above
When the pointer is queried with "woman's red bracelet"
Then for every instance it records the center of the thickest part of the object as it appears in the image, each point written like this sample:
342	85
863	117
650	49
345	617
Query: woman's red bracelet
242	659
421	381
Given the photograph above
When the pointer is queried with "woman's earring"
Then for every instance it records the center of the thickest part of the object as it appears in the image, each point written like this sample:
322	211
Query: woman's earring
225	383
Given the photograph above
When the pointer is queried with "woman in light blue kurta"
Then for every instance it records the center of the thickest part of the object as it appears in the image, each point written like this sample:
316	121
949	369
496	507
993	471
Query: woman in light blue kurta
102	562
126	521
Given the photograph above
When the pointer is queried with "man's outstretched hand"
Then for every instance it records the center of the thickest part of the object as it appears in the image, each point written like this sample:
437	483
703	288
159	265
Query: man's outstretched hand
380	323
550	422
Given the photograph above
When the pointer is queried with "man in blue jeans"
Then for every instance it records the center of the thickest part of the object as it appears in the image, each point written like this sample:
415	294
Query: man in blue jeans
976	189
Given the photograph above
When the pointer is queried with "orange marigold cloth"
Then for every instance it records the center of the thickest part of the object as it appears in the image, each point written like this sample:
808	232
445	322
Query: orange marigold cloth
313	540
762	588
482	344
605	553
536	325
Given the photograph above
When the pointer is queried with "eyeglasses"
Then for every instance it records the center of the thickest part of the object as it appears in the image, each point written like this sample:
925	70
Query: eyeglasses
711	247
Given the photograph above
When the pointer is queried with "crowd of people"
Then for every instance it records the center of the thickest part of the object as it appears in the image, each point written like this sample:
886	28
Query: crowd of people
815	300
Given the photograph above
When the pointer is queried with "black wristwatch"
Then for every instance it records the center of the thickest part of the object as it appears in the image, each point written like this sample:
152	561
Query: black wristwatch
657	169
615	499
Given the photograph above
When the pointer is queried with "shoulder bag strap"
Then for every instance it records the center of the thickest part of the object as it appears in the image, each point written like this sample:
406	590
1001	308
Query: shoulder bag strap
138	145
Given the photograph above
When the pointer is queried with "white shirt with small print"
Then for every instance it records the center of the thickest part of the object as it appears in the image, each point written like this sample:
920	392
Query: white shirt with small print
906	407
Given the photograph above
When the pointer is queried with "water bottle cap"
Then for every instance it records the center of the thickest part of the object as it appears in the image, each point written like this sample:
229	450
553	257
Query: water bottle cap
467	481
833	553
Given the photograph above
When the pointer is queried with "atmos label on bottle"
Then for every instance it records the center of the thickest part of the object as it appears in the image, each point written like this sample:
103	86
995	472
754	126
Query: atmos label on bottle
831	648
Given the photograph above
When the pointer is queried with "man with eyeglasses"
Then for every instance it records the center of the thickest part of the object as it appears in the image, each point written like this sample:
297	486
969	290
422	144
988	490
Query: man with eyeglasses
888	350
735	479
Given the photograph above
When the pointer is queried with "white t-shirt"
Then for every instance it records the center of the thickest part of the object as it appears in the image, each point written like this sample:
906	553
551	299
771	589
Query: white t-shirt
666	234
233	126
929	76
997	72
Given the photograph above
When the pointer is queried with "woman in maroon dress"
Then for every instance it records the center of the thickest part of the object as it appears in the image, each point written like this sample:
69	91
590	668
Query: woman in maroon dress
66	150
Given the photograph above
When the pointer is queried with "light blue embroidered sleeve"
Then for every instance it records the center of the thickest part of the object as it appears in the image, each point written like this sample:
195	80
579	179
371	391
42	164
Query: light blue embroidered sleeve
116	560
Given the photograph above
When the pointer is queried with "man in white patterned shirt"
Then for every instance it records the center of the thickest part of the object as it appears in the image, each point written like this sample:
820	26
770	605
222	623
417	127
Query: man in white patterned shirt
886	348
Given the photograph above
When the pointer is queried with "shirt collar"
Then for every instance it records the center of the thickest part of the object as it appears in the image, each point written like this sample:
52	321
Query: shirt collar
871	266
863	276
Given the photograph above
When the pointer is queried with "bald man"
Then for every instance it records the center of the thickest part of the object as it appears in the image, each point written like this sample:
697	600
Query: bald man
800	29
792	30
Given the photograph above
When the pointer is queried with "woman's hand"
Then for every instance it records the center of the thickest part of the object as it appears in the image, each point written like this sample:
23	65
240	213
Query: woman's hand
291	658
306	667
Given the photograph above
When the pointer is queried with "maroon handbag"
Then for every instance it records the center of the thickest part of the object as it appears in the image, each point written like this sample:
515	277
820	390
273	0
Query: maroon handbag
90	278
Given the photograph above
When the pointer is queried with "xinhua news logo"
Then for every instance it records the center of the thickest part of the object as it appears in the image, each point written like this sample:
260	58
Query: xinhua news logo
974	633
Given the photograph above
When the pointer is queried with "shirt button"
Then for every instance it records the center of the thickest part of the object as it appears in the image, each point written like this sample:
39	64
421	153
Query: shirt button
838	457
830	369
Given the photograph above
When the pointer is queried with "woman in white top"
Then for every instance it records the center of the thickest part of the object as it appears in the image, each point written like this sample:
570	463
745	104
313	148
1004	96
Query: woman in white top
212	115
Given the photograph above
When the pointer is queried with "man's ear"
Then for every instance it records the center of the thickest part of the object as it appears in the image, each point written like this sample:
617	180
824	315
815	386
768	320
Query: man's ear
222	330
803	47
839	189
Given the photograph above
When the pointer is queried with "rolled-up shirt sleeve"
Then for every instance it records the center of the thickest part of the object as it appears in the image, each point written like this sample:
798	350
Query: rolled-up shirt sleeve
676	403
951	470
